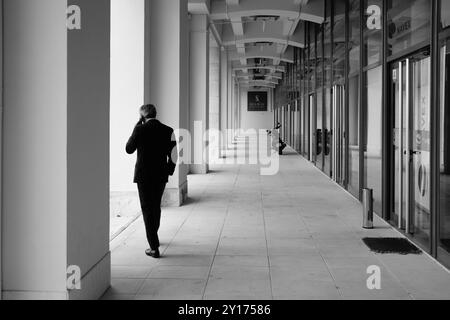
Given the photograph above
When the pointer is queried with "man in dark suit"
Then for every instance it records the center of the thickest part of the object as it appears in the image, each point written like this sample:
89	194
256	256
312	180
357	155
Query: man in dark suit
156	161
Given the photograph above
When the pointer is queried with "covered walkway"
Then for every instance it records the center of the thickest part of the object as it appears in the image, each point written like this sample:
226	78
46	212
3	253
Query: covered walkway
295	235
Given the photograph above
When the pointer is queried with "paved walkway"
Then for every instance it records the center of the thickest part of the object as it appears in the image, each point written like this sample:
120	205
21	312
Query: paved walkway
295	235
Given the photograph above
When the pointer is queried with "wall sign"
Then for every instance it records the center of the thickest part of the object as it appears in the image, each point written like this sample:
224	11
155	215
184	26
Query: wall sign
257	101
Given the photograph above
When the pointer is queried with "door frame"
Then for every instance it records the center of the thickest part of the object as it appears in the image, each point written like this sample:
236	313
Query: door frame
1	147
441	254
319	158
391	163
402	65
339	140
312	127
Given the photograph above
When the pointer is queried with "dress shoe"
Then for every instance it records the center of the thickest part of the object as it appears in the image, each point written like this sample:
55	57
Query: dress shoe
153	253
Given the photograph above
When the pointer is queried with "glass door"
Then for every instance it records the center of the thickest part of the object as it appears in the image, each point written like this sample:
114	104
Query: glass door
298	127
306	128
444	208
411	99
312	129
303	128
292	132
327	133
338	135
320	136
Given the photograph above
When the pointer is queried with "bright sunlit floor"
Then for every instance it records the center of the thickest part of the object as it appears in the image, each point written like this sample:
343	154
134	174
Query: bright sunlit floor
295	235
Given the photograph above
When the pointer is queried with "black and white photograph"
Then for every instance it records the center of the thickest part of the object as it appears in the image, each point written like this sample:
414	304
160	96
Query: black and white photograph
258	101
225	158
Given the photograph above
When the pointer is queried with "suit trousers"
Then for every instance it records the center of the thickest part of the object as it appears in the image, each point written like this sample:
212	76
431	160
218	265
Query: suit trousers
151	195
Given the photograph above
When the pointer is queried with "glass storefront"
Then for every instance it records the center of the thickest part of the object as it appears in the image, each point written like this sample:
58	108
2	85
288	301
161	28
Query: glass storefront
408	24
444	154
361	97
443	230
327	80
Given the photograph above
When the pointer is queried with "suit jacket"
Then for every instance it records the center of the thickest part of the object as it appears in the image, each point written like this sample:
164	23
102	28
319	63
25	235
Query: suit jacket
155	145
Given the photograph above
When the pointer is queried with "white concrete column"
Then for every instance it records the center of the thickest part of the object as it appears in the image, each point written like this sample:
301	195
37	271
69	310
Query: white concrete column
224	69
127	86
214	97
88	132
34	183
56	150
167	76
199	93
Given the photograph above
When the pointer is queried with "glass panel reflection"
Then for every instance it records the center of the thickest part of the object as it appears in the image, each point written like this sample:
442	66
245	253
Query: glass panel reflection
444	225
421	147
353	135
409	24
339	55
373	35
355	37
445	13
373	124
319	130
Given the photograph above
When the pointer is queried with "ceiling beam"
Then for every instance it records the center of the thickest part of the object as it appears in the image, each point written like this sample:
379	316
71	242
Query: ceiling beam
253	67
312	10
263	32
264	52
269	76
199	6
262	85
278	76
258	82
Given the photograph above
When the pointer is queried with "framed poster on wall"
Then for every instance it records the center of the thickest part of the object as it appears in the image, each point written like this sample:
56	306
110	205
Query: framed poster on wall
257	101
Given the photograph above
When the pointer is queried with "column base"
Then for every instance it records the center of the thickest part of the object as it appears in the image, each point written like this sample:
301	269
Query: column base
96	282
33	295
199	169
175	197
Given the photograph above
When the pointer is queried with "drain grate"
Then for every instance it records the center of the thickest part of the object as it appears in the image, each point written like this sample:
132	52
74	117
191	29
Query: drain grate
391	246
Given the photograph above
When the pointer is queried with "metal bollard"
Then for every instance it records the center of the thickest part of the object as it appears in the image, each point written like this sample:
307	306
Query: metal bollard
367	208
